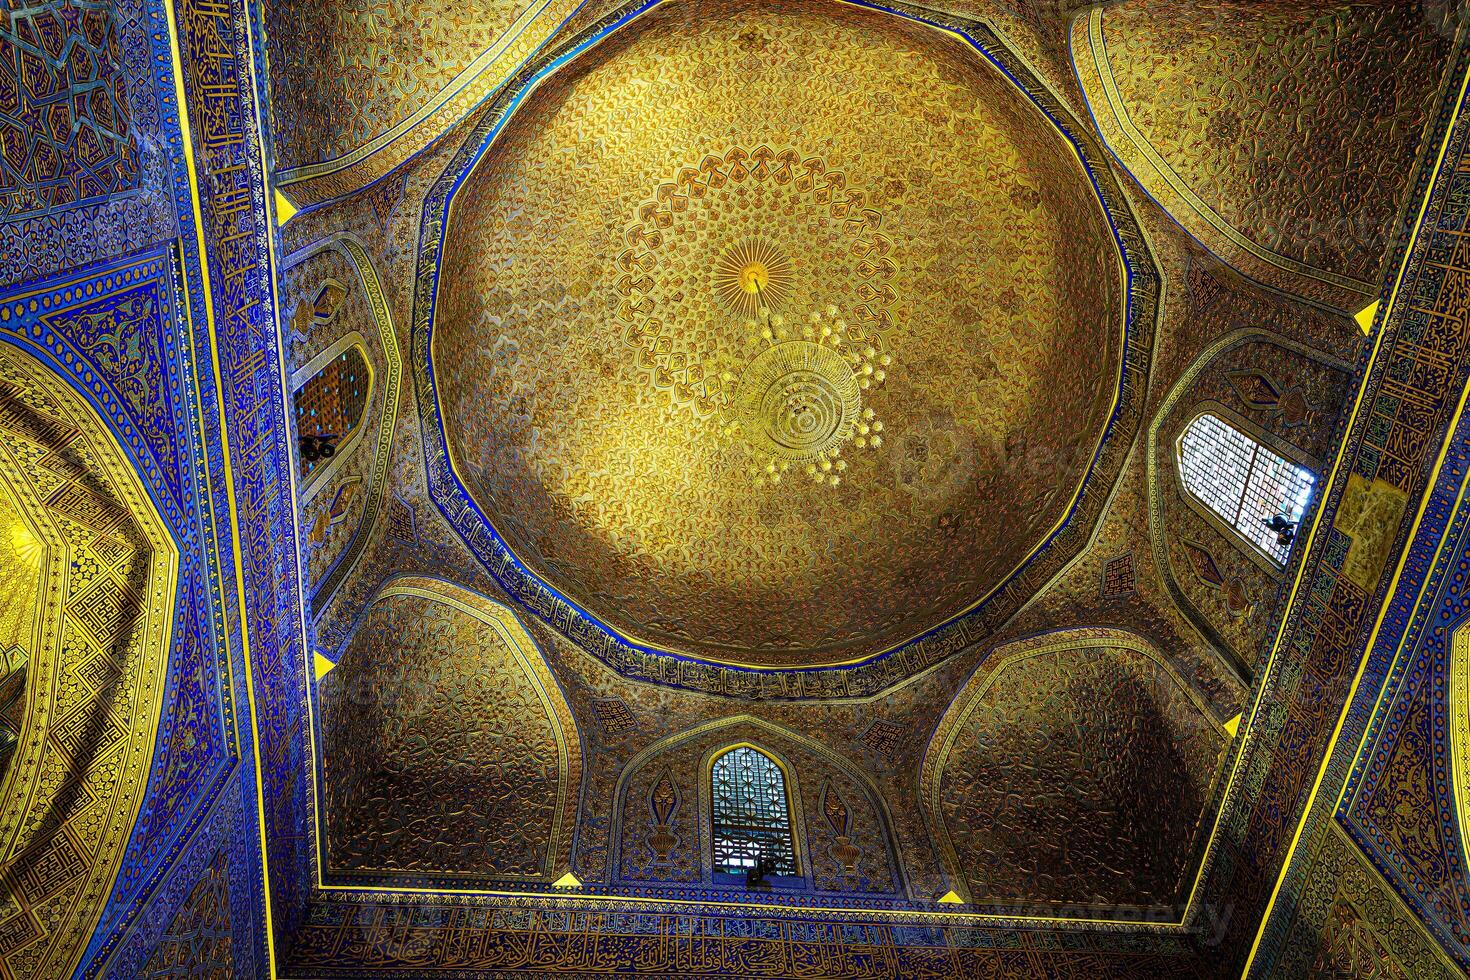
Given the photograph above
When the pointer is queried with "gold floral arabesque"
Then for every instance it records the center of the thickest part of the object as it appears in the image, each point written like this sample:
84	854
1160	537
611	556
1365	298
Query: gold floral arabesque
799	399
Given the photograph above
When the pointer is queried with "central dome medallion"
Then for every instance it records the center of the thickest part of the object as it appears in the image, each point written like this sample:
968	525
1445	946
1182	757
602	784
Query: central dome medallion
776	335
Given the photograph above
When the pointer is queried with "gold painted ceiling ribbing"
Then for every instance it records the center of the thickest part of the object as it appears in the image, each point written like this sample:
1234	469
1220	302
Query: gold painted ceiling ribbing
776	336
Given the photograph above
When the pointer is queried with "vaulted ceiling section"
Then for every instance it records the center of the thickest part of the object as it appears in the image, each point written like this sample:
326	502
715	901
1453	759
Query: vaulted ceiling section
814	377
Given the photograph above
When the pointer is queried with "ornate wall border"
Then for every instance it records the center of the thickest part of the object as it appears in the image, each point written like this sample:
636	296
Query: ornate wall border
880	670
227	217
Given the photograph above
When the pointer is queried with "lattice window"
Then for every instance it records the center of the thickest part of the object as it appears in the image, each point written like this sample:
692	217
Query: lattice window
330	407
752	814
1242	481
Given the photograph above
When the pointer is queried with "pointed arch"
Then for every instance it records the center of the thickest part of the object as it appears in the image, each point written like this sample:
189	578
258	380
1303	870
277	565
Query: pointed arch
1065	757
341	550
1172	510
823	853
750	810
444	704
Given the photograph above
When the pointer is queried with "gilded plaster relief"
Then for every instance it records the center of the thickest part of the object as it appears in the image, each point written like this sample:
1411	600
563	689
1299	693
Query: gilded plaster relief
360	88
761	387
87	578
788	487
448	751
1072	770
755	339
1244	120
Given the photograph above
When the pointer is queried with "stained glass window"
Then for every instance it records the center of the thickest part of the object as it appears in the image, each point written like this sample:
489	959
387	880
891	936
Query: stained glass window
752	816
1243	482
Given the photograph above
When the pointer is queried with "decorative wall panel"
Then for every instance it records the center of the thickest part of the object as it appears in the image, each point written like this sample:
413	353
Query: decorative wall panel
83	120
118	333
198	941
64	116
448	752
346	940
184	932
1207	105
1073	769
1365	930
96	650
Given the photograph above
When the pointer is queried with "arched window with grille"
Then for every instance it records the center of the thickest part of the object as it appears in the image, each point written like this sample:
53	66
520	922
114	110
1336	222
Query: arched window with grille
751	813
1244	483
329	408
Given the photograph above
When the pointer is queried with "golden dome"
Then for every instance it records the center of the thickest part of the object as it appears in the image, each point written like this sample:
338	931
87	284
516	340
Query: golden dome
776	337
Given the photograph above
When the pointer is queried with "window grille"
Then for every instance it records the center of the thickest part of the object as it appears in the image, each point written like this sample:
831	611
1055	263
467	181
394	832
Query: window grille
329	407
1242	481
752	816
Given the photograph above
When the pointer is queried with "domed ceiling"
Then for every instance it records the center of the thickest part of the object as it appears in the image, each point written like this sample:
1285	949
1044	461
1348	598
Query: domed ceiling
777	340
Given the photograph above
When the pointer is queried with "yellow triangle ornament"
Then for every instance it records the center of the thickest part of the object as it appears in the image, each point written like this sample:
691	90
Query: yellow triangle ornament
285	210
1366	316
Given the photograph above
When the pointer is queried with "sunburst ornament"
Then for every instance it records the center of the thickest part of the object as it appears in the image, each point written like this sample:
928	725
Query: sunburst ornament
25	545
752	275
799	400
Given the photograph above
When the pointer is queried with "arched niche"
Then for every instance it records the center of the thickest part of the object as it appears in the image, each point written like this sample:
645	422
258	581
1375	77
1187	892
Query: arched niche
347	368
1222	151
88	580
840	821
448	752
1284	396
1073	769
